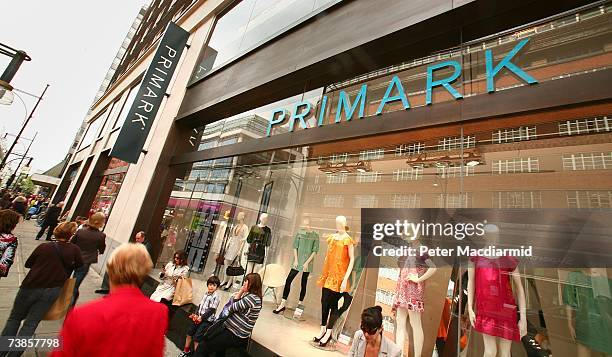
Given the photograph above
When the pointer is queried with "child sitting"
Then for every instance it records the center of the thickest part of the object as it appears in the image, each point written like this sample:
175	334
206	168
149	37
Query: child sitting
204	317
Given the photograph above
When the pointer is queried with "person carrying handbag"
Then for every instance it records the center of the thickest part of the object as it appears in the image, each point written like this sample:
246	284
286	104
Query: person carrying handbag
234	329
50	266
170	275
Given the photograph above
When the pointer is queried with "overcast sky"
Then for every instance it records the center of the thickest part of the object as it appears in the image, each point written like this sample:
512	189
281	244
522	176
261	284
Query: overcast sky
72	44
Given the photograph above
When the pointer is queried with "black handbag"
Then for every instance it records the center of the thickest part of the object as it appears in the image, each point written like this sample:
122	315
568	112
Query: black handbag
232	270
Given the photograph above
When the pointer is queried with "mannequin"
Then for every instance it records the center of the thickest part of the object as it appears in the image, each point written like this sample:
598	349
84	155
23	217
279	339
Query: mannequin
490	289
334	280
218	240
233	247
410	296
259	240
588	302
305	247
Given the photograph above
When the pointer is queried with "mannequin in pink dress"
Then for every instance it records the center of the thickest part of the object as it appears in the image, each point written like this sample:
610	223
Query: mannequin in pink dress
490	291
409	302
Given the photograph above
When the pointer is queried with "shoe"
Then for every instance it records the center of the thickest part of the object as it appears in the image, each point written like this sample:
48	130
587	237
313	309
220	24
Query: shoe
279	310
323	344
227	288
102	291
318	339
185	354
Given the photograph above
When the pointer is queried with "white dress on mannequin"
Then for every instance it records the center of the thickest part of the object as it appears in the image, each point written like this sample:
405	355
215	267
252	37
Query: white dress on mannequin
239	235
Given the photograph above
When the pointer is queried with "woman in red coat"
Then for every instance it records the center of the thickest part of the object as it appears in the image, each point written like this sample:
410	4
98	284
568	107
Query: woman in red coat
126	322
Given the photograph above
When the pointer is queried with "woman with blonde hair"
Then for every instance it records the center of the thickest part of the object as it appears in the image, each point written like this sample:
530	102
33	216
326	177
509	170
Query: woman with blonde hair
91	240
50	265
126	322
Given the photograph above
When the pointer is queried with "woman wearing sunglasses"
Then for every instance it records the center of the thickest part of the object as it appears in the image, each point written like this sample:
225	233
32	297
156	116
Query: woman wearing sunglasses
369	340
170	275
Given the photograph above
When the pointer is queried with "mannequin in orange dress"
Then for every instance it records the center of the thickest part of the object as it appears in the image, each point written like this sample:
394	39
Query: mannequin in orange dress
334	280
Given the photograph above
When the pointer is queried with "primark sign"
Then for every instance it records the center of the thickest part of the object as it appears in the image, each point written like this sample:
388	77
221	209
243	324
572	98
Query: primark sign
303	110
152	90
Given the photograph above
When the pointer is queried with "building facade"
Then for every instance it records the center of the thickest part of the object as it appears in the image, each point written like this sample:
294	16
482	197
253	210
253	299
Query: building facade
310	110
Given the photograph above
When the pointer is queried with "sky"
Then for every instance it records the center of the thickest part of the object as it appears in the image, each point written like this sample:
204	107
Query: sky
72	45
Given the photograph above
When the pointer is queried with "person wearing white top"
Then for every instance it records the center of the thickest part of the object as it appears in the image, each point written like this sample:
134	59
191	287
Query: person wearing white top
170	275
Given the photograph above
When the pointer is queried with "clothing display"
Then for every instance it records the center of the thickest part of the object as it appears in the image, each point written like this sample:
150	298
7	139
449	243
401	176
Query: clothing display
305	242
336	262
259	238
408	294
232	247
165	289
589	296
496	309
287	289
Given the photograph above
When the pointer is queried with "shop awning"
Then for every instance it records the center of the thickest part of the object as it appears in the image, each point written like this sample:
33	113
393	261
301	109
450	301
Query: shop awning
45	180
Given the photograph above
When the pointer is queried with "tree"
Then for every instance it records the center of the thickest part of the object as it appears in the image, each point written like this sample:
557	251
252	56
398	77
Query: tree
27	186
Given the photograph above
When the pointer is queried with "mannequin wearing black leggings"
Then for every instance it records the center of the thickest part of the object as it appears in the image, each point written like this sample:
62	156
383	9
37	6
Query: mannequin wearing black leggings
292	274
305	247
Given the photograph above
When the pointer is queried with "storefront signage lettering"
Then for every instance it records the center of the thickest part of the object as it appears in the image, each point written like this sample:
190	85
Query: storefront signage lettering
395	92
148	100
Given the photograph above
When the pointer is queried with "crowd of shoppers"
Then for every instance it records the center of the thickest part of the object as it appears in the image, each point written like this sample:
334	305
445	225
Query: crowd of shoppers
126	323
50	264
137	324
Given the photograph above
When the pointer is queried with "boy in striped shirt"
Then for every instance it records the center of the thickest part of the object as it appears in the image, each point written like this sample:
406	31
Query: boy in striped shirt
204	317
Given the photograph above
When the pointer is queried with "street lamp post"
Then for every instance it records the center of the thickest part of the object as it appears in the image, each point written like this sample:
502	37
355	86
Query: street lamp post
17	58
14	174
22	128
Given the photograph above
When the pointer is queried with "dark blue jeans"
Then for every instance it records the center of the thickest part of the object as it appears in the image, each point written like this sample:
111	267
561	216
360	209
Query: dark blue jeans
79	275
30	305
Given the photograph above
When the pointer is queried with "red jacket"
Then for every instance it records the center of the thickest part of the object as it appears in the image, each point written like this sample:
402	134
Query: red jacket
125	323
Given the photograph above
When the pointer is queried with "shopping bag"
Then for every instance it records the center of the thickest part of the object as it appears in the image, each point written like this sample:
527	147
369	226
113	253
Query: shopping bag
183	292
62	303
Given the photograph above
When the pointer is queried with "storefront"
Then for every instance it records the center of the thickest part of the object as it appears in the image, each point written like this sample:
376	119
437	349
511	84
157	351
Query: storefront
111	180
521	119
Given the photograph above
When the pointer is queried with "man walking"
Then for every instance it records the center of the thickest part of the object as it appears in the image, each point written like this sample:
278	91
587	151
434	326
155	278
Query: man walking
51	220
140	237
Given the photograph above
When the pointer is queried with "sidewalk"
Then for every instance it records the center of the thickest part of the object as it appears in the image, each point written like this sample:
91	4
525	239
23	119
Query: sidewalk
26	231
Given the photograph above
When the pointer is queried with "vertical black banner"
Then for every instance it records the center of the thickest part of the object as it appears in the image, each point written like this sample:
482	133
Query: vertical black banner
138	122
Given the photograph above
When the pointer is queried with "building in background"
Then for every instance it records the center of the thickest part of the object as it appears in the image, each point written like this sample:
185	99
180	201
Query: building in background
294	109
105	84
